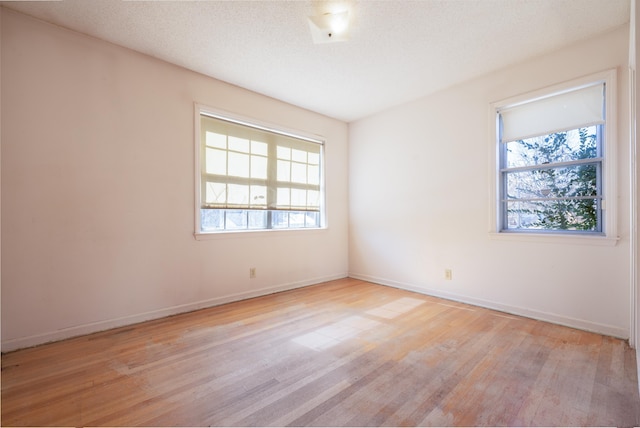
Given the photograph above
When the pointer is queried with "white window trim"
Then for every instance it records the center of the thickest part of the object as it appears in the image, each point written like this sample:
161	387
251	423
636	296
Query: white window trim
202	236
610	225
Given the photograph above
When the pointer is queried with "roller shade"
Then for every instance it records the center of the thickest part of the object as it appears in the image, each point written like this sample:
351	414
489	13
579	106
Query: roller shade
570	110
252	168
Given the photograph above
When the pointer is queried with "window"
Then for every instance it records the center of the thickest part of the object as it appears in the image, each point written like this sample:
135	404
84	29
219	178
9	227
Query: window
553	172
255	178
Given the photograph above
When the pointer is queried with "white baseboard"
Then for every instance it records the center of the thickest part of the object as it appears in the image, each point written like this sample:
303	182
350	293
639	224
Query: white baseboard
66	333
605	329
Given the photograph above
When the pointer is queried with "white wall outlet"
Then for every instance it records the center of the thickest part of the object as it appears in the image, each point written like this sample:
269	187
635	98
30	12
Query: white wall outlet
448	274
252	272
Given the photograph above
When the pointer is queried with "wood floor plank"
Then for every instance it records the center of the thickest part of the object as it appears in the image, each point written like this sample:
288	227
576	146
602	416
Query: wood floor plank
341	353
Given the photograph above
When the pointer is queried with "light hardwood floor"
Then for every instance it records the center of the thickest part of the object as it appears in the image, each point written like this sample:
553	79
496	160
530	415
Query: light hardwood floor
342	353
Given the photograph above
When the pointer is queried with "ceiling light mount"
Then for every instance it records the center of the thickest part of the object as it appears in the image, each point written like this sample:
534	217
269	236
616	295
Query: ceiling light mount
330	27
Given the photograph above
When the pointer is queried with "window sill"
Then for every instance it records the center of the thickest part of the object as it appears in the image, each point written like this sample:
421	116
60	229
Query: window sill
258	233
555	238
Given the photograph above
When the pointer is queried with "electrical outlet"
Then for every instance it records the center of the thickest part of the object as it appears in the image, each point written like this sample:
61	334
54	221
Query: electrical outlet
252	272
448	274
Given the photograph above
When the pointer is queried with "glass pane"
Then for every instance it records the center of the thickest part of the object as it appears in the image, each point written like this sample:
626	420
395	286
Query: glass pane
280	219
312	219
560	147
216	161
215	193
211	219
298	172
216	140
283	197
238	144
238	194
313	199
298	198
579	180
572	214
314	159
259	196
313	174
236	219
257	219
297	219
299	155
284	171
238	165
259	148
259	167
284	153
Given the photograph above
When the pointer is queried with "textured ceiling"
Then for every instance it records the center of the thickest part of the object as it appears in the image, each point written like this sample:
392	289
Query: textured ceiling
398	50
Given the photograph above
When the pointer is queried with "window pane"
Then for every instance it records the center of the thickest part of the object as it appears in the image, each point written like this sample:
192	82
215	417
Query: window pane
314	159
259	167
257	219
299	155
216	161
284	153
298	198
313	174
216	140
258	196
280	219
296	219
216	193
211	219
312	219
560	147
259	148
283	197
221	219
236	219
238	144
238	165
238	194
284	171
573	214
579	180
313	198
298	172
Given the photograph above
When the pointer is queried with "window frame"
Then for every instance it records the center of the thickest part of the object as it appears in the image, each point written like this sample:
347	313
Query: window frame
199	110
608	235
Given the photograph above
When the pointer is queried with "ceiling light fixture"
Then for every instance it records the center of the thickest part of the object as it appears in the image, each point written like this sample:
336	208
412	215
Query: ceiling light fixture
330	27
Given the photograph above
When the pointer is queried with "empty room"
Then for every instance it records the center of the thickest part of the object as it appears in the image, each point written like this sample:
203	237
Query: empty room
319	213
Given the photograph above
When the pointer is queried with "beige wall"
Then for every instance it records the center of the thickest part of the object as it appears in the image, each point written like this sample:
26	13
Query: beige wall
634	41
98	190
407	235
98	203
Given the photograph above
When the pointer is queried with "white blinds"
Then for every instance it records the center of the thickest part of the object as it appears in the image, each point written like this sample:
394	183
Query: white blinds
251	168
569	110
